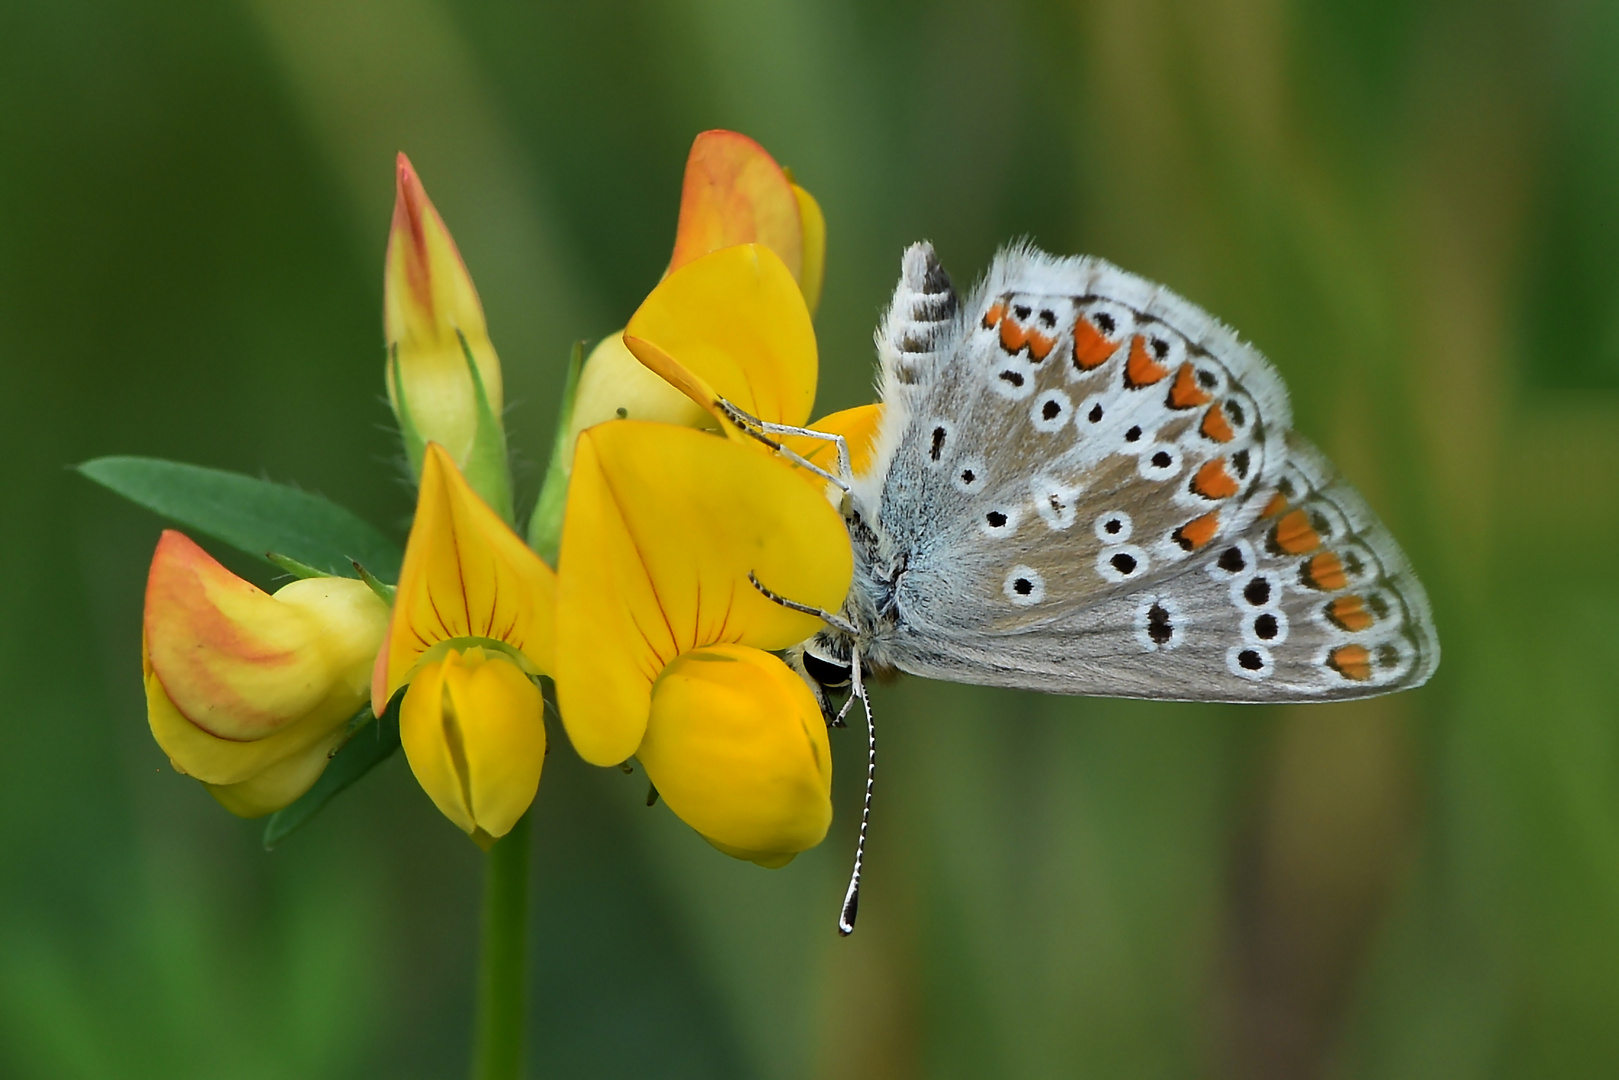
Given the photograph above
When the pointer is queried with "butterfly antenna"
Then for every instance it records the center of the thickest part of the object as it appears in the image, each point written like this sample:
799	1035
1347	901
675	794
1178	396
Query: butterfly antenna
851	898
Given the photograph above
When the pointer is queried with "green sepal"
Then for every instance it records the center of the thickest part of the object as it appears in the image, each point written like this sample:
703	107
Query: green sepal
252	515
384	591
369	744
415	445
488	469
545	524
294	567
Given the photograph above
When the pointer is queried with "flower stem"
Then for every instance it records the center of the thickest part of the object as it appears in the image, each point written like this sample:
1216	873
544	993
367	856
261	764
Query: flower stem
498	1053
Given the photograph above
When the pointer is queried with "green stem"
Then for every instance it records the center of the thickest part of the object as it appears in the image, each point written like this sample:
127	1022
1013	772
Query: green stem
498	1054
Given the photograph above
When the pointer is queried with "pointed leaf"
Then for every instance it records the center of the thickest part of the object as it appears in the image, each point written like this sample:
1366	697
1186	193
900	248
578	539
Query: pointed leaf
252	515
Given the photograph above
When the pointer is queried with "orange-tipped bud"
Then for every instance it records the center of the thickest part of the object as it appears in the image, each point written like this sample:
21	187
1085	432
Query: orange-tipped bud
429	305
735	193
247	691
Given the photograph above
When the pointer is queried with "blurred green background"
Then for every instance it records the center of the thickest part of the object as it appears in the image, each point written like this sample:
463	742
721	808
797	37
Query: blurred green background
1411	207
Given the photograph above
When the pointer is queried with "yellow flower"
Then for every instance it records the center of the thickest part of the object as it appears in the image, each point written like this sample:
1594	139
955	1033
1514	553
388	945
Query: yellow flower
433	321
731	325
473	624
733	193
246	691
665	651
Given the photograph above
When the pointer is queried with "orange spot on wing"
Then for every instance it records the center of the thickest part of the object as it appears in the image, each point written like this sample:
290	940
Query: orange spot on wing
1216	426
1091	349
1294	534
1039	345
1349	613
993	315
1013	335
1276	505
1351	661
1141	369
1186	394
1213	482
1199	531
1325	571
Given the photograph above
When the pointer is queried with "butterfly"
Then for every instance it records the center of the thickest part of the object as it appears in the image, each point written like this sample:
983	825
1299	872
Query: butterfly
1084	484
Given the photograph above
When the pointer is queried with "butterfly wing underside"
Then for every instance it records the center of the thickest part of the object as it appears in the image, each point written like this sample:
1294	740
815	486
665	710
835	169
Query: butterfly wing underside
1085	484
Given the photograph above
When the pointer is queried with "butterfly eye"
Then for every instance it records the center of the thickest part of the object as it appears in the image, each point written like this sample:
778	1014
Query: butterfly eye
829	673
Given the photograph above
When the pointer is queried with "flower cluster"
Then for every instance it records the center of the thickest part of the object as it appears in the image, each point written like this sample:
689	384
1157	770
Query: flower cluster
662	520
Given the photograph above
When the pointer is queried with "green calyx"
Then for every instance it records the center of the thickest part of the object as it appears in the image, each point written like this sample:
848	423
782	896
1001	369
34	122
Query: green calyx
545	524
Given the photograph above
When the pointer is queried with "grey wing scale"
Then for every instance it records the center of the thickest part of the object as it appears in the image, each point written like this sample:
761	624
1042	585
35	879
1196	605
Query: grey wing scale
1085	484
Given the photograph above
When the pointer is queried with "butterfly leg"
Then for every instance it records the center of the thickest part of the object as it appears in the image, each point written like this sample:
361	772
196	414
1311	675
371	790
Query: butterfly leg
763	429
851	897
836	622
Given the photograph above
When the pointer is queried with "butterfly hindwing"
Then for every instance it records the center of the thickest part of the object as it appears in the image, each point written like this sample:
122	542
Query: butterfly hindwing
1066	459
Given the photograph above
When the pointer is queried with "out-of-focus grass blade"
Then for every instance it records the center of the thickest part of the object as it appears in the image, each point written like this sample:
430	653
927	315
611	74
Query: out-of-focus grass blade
370	745
256	516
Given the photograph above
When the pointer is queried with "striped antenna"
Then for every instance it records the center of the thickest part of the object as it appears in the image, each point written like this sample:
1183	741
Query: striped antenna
851	898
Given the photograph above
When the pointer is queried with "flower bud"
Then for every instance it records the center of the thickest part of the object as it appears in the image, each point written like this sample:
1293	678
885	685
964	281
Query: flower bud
737	747
246	691
473	727
429	307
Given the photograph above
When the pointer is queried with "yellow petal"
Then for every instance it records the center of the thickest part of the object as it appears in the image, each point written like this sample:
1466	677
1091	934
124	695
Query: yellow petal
213	760
614	384
473	729
737	747
733	324
282	783
814	229
735	193
241	664
858	426
427	297
663	526
435	757
466	575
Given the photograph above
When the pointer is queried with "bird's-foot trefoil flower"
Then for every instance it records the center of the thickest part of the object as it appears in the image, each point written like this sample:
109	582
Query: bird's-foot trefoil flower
473	626
247	691
666	653
443	377
730	331
734	192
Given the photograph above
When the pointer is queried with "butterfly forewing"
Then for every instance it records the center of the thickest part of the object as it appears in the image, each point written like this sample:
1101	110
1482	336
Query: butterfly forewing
1072	466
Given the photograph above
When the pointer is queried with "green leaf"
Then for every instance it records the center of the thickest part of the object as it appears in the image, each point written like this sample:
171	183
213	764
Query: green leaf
545	526
254	516
371	744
